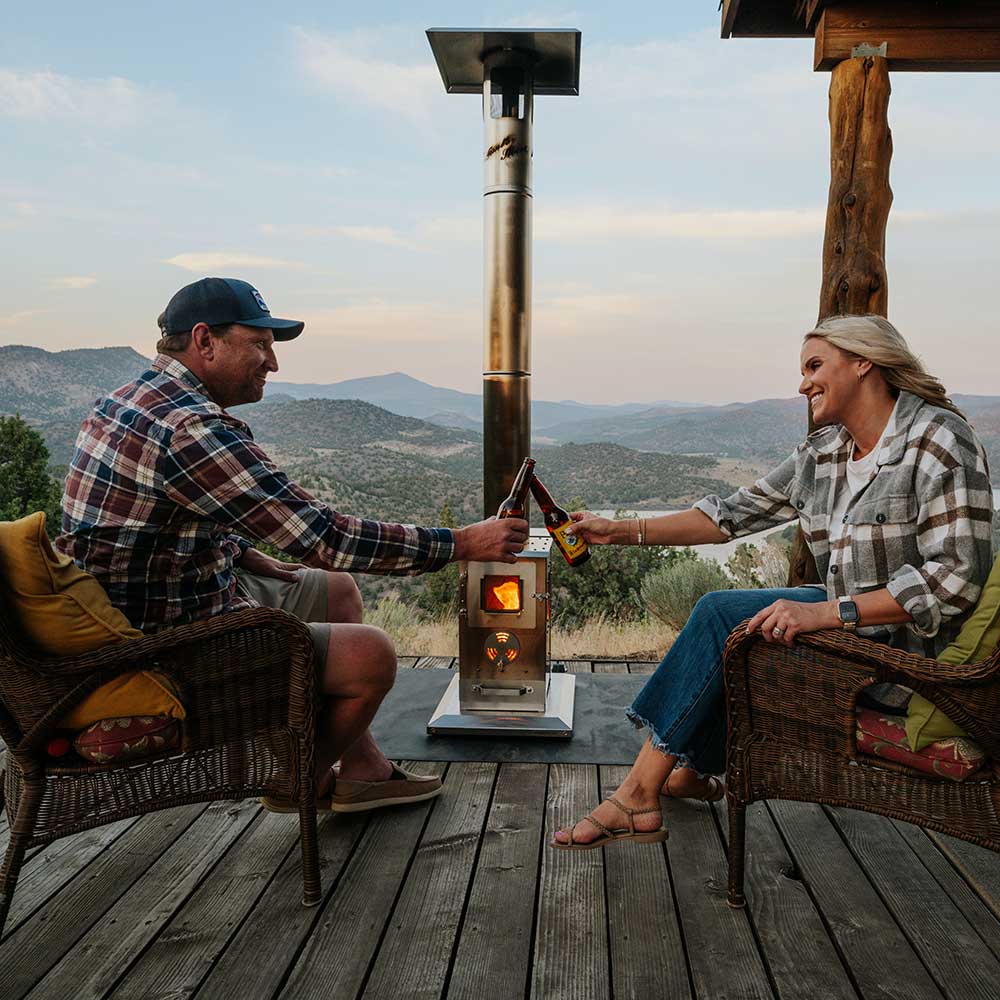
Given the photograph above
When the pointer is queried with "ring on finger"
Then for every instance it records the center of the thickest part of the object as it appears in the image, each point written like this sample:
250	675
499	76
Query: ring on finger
777	630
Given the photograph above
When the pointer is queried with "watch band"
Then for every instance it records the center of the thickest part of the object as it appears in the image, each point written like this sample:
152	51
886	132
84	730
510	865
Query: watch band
848	613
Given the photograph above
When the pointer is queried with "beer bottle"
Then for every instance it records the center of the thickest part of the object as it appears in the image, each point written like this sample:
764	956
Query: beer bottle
516	504
560	526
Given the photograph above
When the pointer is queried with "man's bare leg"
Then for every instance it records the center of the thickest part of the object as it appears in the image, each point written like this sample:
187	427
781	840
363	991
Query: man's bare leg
359	671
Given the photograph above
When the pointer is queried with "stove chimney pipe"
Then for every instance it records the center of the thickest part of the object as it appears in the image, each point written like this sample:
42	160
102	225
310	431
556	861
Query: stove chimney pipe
508	95
508	66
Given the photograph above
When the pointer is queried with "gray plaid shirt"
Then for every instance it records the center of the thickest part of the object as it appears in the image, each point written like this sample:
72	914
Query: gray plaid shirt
921	526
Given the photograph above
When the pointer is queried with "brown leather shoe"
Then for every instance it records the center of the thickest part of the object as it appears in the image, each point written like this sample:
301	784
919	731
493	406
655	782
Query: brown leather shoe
402	788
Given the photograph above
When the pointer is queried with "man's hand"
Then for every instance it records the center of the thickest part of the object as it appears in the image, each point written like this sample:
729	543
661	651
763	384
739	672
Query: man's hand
784	620
492	540
254	561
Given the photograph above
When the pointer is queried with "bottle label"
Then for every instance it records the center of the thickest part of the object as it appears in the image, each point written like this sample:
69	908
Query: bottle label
570	543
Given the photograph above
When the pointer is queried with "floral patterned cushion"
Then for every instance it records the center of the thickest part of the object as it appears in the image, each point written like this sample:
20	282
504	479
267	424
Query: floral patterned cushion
885	736
115	740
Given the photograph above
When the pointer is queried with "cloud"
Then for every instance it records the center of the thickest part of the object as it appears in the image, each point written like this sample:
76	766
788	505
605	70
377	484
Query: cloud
590	222
46	96
17	318
385	235
73	281
214	260
347	66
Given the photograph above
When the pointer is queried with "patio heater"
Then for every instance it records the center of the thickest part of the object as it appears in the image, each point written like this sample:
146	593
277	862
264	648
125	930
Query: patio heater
503	685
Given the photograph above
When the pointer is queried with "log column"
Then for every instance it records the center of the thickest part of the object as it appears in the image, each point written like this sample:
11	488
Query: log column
854	276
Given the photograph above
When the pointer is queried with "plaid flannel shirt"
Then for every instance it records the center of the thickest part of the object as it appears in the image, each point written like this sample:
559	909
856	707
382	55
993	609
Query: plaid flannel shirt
162	487
921	527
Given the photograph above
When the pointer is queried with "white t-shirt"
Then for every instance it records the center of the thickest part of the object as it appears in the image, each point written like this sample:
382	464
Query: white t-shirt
859	475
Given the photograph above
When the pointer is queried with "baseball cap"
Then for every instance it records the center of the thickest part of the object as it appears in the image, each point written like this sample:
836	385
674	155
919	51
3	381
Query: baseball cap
217	301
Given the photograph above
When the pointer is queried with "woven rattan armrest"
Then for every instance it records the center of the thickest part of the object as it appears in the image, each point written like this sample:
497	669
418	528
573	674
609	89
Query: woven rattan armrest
968	693
276	662
133	653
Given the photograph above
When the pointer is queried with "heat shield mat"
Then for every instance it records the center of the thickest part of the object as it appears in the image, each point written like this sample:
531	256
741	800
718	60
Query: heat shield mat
601	733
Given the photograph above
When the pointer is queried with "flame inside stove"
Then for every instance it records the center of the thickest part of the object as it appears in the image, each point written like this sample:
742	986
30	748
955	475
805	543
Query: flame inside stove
508	595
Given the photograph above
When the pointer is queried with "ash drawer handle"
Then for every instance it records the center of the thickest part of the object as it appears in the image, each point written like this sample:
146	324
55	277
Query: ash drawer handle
486	689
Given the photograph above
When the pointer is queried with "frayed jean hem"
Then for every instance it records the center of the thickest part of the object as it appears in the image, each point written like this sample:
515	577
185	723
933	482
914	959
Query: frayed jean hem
683	759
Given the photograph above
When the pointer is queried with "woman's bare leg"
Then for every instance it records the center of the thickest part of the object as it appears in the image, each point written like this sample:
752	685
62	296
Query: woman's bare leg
684	783
639	790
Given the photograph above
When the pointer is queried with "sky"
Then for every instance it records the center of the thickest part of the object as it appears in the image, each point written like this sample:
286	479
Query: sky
310	149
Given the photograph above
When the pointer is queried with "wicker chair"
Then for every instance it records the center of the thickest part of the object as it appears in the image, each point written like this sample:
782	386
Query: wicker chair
792	735
247	682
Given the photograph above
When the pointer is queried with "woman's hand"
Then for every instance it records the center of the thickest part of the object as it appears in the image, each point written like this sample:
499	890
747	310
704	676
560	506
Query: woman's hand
784	620
595	530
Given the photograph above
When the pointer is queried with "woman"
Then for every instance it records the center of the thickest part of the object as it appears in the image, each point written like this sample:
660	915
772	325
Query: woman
893	497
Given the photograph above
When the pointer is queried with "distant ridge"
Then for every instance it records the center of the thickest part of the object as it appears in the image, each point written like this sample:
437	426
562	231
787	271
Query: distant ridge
410	397
54	390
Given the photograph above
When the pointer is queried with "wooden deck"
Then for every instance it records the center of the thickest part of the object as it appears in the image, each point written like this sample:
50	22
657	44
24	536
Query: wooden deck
460	899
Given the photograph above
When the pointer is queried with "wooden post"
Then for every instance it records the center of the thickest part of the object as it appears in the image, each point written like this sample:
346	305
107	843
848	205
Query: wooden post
854	276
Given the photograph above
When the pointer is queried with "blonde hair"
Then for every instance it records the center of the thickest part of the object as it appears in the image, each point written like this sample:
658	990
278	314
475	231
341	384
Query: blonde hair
873	338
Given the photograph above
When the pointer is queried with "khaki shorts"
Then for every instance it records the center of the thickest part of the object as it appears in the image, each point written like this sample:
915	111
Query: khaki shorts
304	597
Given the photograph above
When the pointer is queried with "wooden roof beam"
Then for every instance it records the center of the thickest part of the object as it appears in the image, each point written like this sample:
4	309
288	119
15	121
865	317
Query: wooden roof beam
764	18
962	35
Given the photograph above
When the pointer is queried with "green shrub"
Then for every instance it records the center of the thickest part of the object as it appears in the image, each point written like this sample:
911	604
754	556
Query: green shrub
391	615
672	592
752	567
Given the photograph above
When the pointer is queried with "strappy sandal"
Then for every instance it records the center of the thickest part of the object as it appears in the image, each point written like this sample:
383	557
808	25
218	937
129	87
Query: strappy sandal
716	792
611	836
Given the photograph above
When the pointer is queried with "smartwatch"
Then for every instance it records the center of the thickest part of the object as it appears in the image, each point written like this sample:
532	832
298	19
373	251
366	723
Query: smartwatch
848	612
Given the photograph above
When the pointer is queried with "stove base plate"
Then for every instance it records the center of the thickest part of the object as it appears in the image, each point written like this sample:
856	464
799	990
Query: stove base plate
556	723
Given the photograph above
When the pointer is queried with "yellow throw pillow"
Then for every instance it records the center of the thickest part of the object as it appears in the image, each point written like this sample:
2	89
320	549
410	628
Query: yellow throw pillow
142	692
65	612
978	638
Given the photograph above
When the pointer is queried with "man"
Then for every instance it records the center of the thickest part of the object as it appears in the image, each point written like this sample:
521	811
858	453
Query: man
166	487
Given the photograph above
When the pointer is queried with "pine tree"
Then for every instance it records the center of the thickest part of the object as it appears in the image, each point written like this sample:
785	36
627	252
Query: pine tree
25	484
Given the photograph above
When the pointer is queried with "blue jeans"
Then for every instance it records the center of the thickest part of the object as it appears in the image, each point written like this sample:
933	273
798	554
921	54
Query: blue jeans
683	703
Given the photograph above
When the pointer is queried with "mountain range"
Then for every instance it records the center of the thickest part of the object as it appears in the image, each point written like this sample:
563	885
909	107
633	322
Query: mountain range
404	434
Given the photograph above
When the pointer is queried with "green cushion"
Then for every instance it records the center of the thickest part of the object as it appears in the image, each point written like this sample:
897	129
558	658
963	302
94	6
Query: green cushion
979	637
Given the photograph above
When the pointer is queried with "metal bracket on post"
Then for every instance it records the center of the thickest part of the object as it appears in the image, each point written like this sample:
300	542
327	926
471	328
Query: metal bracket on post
866	49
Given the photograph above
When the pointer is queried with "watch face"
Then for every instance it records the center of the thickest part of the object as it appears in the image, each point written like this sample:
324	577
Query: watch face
848	611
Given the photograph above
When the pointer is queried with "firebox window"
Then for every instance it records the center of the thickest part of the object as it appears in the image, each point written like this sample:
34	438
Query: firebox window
501	595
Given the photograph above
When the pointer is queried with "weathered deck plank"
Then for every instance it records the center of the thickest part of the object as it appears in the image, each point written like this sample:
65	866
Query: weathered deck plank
52	866
335	959
980	867
414	956
435	662
495	943
980	917
881	961
953	953
53	931
722	953
200	930
800	956
109	948
571	944
260	954
647	945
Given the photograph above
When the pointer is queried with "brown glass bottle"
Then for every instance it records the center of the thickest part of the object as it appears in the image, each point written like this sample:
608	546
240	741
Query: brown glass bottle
516	504
560	526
